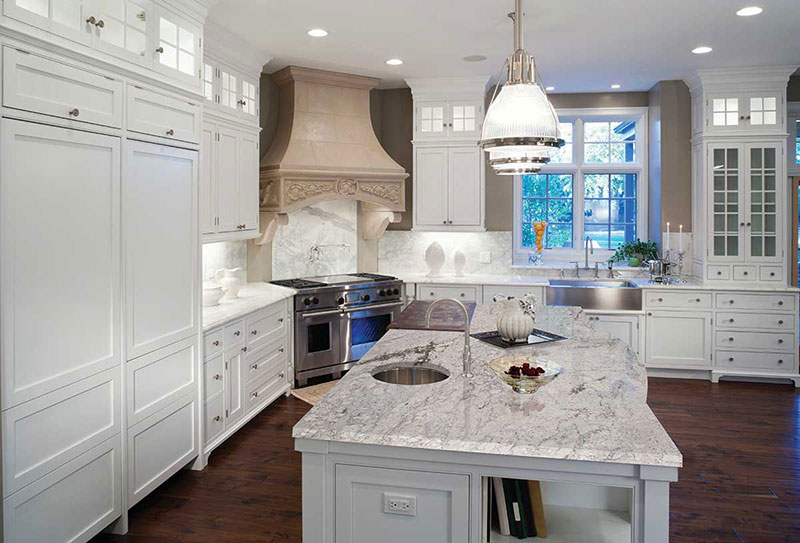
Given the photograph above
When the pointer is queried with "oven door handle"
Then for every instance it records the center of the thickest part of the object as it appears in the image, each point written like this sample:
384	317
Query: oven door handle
371	307
309	314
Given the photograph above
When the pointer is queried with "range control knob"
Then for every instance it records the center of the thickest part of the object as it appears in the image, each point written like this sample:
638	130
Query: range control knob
365	297
307	301
383	293
340	300
315	300
396	291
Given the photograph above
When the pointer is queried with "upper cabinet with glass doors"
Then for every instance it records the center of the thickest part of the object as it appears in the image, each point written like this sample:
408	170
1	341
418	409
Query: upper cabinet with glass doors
750	112
450	120
144	32
230	91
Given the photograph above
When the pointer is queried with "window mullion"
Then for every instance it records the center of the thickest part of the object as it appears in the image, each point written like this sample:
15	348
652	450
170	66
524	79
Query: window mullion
577	209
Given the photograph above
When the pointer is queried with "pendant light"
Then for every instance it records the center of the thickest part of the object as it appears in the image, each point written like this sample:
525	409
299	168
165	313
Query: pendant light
520	130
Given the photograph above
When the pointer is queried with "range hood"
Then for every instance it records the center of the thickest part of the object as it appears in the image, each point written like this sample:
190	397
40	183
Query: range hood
325	148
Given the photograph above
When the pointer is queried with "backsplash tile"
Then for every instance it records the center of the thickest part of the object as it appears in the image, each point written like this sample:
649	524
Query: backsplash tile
224	254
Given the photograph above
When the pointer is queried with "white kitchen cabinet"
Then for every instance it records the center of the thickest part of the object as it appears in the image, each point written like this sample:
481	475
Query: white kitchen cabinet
65	18
120	27
464	293
464	189
177	51
430	187
234	385
162	115
60	194
160	256
229	204
738	112
448	119
624	327
678	339
448	189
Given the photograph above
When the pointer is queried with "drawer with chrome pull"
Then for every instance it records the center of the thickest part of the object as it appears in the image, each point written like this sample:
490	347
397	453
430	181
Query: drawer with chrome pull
234	333
655	299
214	371
781	342
214	417
737	300
744	273
212	343
259	392
265	326
433	292
756	361
266	360
765	321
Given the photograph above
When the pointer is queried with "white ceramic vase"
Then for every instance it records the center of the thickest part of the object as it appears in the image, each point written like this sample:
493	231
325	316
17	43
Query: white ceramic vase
434	258
459	261
231	283
514	324
212	293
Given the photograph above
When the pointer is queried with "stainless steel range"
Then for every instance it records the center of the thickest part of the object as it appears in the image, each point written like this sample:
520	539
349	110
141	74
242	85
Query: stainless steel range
338	318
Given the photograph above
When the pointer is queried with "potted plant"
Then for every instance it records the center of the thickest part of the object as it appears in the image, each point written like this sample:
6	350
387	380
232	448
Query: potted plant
635	252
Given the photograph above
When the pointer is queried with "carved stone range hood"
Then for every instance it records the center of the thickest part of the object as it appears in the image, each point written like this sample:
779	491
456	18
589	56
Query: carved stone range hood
325	149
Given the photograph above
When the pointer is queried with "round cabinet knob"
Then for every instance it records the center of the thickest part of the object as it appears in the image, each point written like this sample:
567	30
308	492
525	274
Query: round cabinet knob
741	224
91	20
444	222
730	302
280	320
748	224
772	274
746	273
281	350
254	367
217	377
730	359
254	332
780	322
780	361
432	294
74	112
661	299
307	301
697	300
100	24
281	375
217	418
315	300
171	132
719	273
160	50
730	339
215	343
730	320
780	341
780	302
649	314
365	297
237	333
340	300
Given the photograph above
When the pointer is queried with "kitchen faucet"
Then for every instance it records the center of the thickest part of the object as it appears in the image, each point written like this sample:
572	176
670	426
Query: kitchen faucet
466	357
587	250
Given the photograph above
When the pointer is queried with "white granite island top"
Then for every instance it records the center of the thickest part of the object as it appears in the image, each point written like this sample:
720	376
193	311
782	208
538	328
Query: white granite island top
252	297
595	411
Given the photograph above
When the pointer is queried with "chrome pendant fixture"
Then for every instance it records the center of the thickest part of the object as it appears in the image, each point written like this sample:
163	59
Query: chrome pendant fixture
520	130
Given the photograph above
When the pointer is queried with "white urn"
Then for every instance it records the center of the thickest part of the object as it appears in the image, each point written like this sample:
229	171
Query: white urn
459	261
516	321
434	258
231	283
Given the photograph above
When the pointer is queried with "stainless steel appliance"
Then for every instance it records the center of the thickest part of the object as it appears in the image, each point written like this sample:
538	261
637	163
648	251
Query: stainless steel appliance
338	318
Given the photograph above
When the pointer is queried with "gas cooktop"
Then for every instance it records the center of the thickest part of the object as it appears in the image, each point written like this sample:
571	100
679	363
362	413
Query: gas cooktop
332	280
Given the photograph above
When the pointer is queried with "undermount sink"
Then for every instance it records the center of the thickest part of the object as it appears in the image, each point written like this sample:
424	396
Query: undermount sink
597	294
410	375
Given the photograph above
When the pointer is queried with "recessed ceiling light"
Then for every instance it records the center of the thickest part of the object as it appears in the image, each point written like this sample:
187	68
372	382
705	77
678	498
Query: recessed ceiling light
548	89
749	11
616	86
394	62
474	58
317	33
702	50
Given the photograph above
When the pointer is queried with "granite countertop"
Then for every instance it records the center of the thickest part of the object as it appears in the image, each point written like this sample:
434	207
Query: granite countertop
252	297
641	282
595	411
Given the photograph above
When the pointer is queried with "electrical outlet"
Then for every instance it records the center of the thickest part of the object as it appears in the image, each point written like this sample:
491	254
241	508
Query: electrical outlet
400	505
485	257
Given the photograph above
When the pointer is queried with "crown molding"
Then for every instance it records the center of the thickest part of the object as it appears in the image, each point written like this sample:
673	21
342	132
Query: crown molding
743	79
448	88
231	49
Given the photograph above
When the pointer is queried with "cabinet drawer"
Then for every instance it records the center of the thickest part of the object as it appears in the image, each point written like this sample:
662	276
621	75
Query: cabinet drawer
265	361
744	273
259	392
785	343
161	377
757	361
735	300
213	380
767	321
770	273
160	445
513	291
41	85
722	273
682	300
234	333
213	343
49	431
73	503
265	326
433	292
214	417
156	114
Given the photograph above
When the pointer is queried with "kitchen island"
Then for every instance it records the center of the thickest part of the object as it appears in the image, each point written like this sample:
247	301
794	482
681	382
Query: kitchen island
604	458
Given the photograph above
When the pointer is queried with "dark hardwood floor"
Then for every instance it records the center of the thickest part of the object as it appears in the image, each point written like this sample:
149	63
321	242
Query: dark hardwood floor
740	481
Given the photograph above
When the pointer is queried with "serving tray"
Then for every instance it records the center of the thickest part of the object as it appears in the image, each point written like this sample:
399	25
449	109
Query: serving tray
537	337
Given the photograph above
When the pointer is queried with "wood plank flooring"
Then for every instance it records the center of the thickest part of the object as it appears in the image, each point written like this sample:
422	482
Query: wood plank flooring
740	481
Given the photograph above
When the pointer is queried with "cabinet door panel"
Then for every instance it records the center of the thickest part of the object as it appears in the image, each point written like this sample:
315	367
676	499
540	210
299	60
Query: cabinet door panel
621	327
430	198
764	211
234	385
464	186
161	245
227	164
163	116
177	50
59	191
464	119
726	202
249	100
247	181
208	179
64	18
121	28
678	339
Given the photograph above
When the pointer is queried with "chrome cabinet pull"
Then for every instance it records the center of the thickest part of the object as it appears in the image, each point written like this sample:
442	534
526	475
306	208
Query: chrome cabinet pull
244	349
780	361
661	299
100	24
215	343
697	300
280	320
237	333
281	375
254	367
254	394
91	20
730	359
730	339
730	320
780	341
160	50
780	322
74	112
254	332
780	302
217	418
217	377
170	132
280	350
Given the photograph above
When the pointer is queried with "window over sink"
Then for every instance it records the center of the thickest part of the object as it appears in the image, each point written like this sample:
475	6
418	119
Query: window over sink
595	185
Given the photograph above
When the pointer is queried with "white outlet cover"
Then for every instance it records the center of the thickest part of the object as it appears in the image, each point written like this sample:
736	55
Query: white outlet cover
397	504
485	257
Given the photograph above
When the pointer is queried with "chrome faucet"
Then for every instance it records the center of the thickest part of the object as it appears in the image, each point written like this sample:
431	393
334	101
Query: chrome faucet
467	356
588	249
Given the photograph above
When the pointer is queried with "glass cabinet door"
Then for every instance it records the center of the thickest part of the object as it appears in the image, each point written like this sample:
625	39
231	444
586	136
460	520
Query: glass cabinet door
62	17
178	46
121	26
464	118
725	202
431	119
762	225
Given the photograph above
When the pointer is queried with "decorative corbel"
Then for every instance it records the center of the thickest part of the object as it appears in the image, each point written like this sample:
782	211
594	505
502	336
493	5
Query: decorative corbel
269	222
376	219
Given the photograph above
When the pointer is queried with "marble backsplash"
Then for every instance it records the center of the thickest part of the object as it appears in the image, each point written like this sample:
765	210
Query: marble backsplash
224	254
330	226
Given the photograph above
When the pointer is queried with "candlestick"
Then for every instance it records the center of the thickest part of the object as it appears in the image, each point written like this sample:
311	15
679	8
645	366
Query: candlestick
680	238
667	247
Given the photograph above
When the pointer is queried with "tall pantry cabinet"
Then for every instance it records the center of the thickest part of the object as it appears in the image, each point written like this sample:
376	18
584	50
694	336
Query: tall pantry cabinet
99	271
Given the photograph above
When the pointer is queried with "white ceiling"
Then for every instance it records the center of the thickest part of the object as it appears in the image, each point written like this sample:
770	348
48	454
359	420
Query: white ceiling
580	45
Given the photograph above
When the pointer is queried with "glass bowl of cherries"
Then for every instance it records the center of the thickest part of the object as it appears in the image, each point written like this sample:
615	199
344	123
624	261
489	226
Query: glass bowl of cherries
525	374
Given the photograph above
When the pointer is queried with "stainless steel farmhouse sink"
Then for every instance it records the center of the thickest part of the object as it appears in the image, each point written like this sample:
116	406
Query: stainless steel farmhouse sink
410	375
598	294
